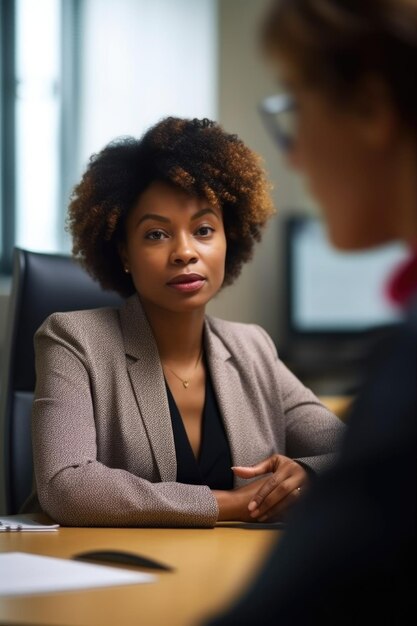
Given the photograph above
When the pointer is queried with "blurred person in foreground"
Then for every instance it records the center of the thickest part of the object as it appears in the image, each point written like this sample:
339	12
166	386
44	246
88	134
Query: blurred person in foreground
349	70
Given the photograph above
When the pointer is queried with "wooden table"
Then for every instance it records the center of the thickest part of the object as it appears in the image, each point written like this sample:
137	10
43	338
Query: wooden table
339	405
212	566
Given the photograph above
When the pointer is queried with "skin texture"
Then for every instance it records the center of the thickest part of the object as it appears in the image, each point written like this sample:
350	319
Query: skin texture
197	156
168	234
358	161
279	491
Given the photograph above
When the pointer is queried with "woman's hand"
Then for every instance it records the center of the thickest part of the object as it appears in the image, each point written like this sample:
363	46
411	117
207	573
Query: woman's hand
277	492
233	504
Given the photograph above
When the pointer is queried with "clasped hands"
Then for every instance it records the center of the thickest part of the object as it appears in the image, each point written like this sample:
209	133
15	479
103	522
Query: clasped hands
268	498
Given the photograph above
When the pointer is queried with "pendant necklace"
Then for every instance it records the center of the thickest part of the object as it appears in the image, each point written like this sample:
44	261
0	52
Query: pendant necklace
186	381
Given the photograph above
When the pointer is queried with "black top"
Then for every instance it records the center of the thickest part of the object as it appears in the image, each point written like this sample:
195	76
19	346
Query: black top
214	461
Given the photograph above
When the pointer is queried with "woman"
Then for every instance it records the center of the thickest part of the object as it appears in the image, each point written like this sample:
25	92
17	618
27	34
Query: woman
140	413
348	556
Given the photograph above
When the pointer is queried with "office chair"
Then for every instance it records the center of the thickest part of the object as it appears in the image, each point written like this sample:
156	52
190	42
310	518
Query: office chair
41	284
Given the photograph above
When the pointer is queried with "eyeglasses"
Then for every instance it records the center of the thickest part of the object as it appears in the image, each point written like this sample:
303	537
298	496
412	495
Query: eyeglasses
278	115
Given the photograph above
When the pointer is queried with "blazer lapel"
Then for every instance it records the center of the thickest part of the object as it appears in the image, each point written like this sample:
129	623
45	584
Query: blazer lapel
148	383
229	393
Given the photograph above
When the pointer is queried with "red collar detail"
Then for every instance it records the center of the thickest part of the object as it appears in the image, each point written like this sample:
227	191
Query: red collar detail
402	284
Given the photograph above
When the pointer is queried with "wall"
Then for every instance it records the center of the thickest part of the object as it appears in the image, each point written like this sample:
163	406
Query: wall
161	61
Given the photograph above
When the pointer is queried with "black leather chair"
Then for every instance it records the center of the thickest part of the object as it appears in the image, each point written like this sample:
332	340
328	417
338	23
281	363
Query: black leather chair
42	284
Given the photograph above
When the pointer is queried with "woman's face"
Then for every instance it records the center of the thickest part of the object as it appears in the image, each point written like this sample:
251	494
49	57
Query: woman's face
349	159
175	249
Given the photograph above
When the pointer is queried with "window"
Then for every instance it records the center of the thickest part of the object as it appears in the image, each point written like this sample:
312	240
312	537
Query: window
78	73
38	103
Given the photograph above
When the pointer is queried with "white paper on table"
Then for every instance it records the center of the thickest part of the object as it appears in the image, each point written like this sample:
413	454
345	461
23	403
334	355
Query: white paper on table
23	573
24	522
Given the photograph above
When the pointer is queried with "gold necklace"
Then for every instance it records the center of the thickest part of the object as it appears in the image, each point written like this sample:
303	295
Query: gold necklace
186	381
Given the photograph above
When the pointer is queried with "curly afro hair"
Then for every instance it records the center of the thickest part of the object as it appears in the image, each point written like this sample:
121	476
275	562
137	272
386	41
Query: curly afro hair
197	156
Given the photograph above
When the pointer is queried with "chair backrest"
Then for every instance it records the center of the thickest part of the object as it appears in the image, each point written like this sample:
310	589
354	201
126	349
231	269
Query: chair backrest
41	284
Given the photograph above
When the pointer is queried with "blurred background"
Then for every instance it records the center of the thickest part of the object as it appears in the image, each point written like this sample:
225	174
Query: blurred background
77	73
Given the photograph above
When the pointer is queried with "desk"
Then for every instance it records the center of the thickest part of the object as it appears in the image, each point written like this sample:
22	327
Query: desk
211	567
339	405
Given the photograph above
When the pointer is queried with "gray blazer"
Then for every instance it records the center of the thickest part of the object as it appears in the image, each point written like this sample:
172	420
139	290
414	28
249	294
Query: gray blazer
103	445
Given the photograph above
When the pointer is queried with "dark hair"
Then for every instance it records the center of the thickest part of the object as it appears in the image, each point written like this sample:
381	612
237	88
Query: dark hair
197	156
338	43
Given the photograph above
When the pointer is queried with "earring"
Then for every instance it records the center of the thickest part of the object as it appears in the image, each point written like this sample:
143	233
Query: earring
126	270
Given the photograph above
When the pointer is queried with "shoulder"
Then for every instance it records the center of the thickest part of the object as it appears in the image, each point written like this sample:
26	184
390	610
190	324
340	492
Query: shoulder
387	403
238	336
80	323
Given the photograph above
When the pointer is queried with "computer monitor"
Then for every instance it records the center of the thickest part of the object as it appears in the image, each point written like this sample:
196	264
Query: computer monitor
334	302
